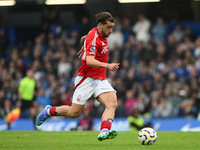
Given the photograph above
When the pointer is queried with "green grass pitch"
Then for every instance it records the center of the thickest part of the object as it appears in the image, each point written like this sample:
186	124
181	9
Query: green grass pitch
87	140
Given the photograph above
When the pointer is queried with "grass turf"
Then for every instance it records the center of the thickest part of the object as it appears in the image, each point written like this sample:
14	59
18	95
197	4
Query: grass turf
87	140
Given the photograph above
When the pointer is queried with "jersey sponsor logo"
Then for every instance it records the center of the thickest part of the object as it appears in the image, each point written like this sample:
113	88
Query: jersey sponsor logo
105	49
79	98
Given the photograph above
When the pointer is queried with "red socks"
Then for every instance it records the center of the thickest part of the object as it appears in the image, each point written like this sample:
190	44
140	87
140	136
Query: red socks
106	125
52	111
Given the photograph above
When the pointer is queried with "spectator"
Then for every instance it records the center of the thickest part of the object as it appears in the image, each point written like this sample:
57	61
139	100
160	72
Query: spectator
164	108
5	106
64	67
26	57
39	43
85	26
157	79
130	101
181	70
141	29
115	39
149	53
130	79
178	33
159	31
187	44
190	34
171	46
143	103
126	28
161	52
172	82
73	39
51	92
185	104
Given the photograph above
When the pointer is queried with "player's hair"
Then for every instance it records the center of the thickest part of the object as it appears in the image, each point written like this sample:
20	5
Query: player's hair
104	16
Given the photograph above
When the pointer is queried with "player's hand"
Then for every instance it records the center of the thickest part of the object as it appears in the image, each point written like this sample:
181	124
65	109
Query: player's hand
113	66
83	39
80	53
19	103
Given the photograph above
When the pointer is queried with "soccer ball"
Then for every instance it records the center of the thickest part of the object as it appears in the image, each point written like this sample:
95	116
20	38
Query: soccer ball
147	136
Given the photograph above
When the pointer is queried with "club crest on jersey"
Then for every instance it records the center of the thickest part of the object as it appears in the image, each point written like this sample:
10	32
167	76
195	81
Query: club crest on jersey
105	49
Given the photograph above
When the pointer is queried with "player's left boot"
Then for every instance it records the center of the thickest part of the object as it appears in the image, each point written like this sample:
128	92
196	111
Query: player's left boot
42	116
106	134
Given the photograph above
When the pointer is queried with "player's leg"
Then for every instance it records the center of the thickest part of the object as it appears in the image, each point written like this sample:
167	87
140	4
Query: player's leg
43	115
82	92
69	111
109	100
72	111
33	111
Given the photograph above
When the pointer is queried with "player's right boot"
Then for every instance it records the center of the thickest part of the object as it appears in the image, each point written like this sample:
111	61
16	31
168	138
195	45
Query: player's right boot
42	116
106	134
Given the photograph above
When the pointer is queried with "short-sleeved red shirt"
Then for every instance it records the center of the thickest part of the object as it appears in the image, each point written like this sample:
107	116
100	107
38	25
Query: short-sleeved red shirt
96	45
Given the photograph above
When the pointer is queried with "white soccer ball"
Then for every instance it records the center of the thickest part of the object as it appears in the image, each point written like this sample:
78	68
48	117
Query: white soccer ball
147	136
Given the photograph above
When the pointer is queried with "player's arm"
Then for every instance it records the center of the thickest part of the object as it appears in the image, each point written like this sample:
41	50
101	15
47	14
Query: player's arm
83	39
20	90
91	61
80	53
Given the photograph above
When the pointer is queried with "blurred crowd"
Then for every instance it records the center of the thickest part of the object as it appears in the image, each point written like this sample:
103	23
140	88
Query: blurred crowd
159	71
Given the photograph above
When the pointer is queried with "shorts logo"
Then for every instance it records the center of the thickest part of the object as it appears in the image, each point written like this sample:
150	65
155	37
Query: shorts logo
79	98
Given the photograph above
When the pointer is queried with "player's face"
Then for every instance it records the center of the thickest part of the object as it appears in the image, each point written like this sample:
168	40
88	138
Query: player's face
107	28
30	74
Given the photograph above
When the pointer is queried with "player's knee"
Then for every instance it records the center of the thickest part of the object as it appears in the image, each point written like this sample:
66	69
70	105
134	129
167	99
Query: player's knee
113	104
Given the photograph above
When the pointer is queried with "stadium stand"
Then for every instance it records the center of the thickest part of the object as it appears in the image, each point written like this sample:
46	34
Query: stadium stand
162	75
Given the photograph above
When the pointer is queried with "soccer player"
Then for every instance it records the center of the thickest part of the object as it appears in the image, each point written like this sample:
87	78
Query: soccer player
91	79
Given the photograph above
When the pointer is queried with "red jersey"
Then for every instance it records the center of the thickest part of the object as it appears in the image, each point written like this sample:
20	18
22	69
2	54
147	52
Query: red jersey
96	45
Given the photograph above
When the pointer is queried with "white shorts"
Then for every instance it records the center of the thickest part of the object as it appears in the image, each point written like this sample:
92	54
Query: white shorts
87	87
